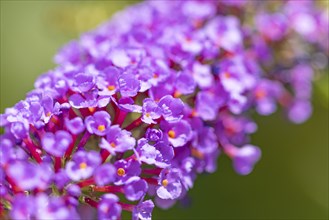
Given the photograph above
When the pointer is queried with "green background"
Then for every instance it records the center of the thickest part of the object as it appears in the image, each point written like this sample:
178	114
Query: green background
291	180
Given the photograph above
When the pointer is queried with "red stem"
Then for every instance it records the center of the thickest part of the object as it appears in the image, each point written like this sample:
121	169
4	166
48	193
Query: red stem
127	207
84	140
151	181
108	189
134	124
154	171
15	188
57	164
119	119
86	182
69	150
104	154
91	202
33	150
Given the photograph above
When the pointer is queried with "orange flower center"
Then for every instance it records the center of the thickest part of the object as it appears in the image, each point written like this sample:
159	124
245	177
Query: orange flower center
113	144
177	94
101	127
165	182
83	165
172	134
121	172
196	153
260	93
227	75
111	87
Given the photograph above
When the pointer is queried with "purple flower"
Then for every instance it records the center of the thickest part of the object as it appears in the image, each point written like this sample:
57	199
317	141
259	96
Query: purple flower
107	82
83	82
126	170
202	75
69	54
153	134
225	32
74	190
61	179
300	111
75	125
88	99
244	159
29	176
135	189
172	109
129	85
54	208
164	203
143	210
301	77
105	174
108	207
272	26
170	186
151	111
117	140
127	104
23	207
266	93
8	151
184	84
82	165
235	129
208	104
119	58
159	154
204	137
19	129
99	123
56	144
178	133
49	108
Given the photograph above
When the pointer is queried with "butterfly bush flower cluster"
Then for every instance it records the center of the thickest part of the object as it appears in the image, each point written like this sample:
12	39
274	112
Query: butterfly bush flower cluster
139	107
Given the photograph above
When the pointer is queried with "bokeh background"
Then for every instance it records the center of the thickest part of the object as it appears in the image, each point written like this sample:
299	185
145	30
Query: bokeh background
291	180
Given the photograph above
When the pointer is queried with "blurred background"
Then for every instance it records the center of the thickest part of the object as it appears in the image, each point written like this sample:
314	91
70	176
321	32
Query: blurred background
291	180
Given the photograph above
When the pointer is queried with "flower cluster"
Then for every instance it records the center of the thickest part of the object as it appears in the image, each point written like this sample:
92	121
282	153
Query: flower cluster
137	108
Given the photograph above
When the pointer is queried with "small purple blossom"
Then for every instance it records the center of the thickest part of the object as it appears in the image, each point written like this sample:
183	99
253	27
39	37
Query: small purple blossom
170	186
151	111
23	207
82	165
117	140
172	109
108	81
245	158
154	134
99	123
109	208
54	208
178	133
143	210
135	189
83	82
105	174
128	84
126	170
56	144
75	125
159	154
